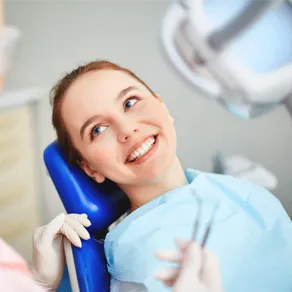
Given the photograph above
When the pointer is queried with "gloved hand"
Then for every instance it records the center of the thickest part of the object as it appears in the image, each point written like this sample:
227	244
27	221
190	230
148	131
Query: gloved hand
198	269
48	252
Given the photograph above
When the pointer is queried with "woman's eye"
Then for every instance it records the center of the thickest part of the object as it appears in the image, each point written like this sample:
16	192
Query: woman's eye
130	102
97	130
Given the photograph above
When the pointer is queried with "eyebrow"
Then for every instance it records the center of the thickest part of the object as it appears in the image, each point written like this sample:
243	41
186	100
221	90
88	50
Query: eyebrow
125	91
89	121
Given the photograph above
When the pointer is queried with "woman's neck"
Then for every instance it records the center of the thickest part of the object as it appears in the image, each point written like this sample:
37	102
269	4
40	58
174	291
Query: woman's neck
139	195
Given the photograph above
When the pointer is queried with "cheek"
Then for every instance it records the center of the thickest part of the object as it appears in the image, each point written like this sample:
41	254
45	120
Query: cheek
102	155
106	154
158	112
165	120
91	152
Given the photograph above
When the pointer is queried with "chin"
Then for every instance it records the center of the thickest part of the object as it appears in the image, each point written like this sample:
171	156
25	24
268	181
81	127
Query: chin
157	170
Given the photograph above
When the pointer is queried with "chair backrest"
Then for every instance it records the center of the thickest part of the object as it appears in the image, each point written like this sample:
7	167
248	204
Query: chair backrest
102	203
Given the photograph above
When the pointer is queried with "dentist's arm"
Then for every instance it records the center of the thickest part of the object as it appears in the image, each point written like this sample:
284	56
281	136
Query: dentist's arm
198	269
48	252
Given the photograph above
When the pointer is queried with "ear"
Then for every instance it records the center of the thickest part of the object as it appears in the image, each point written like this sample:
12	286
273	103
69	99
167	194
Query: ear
86	167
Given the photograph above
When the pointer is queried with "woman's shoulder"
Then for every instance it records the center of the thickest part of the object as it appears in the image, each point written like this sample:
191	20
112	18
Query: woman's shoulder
249	194
227	182
237	189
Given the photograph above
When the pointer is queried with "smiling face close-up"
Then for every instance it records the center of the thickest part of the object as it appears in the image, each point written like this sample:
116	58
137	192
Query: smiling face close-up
121	130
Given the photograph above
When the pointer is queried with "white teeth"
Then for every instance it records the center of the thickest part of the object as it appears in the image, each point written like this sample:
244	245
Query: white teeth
142	150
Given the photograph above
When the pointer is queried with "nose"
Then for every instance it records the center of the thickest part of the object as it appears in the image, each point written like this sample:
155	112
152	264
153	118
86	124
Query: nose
126	133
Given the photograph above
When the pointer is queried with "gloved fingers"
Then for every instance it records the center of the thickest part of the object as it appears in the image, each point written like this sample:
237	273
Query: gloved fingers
50	230
168	276
74	222
169	255
211	271
71	234
72	226
169	283
37	235
190	270
82	218
193	259
182	243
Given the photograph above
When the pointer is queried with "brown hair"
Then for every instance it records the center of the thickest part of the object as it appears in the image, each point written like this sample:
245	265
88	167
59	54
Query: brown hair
57	95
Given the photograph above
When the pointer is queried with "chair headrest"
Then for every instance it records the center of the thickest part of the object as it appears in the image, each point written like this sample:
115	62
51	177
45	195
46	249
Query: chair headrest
103	203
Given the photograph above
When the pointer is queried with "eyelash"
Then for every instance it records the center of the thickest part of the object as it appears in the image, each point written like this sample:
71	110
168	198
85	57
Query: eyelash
91	136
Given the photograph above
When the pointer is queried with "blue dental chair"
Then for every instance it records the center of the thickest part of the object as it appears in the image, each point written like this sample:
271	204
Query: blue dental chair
103	204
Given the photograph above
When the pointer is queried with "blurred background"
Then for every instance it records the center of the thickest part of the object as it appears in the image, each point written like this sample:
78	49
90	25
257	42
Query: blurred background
55	37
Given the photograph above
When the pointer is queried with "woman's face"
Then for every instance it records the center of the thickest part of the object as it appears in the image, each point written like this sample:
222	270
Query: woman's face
122	131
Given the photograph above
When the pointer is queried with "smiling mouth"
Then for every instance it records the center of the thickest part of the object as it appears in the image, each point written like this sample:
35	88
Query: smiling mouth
142	150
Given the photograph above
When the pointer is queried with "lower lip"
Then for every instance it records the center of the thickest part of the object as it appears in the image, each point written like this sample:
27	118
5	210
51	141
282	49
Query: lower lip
148	155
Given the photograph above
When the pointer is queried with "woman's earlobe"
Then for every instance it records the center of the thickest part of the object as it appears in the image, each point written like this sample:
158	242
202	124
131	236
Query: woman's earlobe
91	172
99	178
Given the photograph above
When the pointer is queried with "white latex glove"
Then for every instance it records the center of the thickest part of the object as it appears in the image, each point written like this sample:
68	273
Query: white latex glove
48	252
198	269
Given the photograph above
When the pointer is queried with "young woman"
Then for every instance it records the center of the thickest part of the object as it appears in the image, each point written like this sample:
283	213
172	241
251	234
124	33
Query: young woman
114	126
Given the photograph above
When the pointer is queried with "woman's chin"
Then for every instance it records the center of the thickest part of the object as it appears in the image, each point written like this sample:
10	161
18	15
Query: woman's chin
155	172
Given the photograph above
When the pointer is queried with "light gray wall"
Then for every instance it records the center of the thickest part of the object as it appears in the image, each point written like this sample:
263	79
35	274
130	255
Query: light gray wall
57	35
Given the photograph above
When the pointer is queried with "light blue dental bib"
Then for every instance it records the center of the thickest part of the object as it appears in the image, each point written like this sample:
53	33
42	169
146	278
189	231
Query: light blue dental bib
251	235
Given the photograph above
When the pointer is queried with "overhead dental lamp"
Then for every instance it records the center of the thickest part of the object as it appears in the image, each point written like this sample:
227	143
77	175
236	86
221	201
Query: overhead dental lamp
237	52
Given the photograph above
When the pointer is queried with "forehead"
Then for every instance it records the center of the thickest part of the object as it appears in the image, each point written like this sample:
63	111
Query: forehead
93	92
101	85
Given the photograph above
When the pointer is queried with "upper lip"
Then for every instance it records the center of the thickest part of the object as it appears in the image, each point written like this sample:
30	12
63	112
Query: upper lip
138	144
